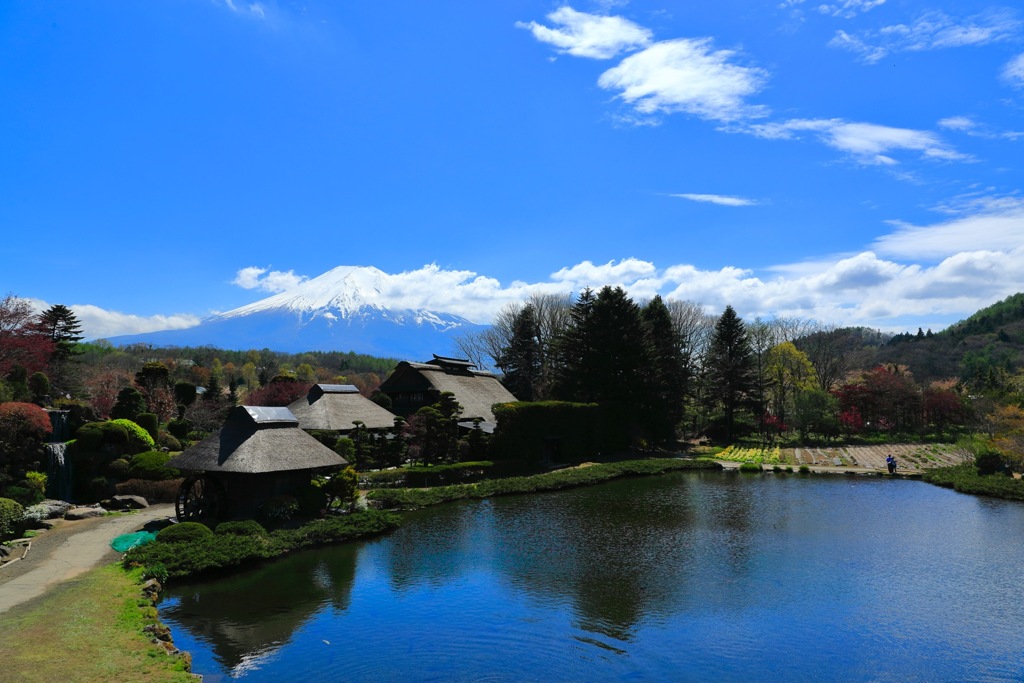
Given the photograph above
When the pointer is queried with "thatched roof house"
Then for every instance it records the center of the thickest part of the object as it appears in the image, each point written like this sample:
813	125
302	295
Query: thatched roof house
414	385
337	407
259	453
257	440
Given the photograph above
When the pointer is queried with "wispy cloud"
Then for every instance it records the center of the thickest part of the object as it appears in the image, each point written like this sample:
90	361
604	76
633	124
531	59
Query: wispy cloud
589	35
256	10
254	277
986	224
931	31
1013	72
846	9
720	199
687	76
864	143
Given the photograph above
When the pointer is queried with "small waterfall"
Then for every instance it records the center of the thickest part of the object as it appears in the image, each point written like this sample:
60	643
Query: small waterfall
58	469
58	472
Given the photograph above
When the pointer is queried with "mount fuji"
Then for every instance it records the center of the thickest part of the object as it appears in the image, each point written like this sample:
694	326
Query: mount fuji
342	310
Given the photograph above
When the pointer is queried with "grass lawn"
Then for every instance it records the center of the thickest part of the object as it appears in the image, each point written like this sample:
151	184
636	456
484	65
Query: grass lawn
87	629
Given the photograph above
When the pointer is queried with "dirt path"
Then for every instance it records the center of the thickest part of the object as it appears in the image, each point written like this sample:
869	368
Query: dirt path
67	550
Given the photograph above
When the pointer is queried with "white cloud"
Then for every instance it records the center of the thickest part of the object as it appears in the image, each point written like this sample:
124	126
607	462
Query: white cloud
961	123
847	9
931	31
586	274
865	143
1013	72
589	35
989	224
720	199
686	76
254	277
100	323
253	9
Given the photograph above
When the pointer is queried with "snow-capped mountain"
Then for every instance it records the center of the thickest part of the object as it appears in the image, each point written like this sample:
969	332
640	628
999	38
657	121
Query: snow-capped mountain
345	309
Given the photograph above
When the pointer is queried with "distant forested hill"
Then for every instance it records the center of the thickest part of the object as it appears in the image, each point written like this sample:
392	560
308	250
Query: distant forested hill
982	350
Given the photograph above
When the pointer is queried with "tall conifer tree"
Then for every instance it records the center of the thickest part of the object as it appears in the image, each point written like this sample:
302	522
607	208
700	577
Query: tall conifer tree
730	368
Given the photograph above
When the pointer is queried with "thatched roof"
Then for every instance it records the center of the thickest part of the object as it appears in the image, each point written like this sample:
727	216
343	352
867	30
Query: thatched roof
337	407
475	390
257	440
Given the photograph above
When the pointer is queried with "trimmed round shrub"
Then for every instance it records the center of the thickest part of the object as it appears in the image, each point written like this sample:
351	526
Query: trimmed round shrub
179	429
168	441
312	501
248	527
11	514
151	465
184	532
119	469
989	462
750	467
138	437
150	422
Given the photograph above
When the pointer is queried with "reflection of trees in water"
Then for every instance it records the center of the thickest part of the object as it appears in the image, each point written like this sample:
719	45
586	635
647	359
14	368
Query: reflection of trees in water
437	545
256	611
619	553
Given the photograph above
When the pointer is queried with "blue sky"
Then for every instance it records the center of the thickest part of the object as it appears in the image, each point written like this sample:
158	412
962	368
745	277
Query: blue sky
856	162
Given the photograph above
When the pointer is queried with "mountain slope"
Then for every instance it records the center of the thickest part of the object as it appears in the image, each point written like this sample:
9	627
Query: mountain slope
344	309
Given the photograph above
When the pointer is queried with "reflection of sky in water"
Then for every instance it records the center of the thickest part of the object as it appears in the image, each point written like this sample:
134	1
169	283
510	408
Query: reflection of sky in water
683	577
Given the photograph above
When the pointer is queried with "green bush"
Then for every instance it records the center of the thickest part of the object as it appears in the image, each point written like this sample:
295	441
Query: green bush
965	479
167	440
211	553
248	527
119	469
153	491
150	422
11	514
749	467
22	494
179	429
549	430
138	438
989	462
279	509
312	501
151	465
805	469
184	532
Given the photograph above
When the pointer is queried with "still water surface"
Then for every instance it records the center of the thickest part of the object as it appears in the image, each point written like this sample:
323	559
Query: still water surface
685	577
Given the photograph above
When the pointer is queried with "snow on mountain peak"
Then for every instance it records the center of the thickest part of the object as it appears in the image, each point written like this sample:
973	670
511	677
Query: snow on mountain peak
342	291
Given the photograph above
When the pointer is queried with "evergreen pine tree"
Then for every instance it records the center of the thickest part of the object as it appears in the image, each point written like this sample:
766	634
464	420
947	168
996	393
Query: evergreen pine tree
730	369
520	361
64	329
665	388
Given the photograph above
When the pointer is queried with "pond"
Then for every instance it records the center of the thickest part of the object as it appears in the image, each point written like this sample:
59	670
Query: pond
692	576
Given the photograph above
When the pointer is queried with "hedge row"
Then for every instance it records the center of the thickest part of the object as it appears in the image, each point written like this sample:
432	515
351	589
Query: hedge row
412	499
435	475
965	479
233	545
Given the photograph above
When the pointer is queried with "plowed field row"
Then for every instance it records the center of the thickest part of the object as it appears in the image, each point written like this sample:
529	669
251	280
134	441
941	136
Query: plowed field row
908	456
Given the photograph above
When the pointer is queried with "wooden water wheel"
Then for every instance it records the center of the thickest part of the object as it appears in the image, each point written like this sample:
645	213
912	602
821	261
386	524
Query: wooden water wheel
200	499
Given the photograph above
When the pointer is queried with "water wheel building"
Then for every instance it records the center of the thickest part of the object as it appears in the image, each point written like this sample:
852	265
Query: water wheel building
258	454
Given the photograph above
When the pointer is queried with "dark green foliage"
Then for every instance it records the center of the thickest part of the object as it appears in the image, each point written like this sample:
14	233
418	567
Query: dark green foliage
520	361
151	465
383	400
966	479
138	438
64	329
989	462
411	499
730	371
38	386
437	475
168	441
24	494
555	431
150	422
243	544
312	501
247	527
153	491
93	436
339	488
184	532
11	514
179	428
750	467
666	374
804	469
279	509
119	469
153	375
130	402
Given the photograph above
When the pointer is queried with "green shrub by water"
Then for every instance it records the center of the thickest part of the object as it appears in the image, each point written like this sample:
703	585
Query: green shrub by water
965	479
749	467
231	546
184	532
411	499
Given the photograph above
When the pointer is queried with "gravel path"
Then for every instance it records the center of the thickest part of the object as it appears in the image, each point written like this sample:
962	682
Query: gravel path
68	549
